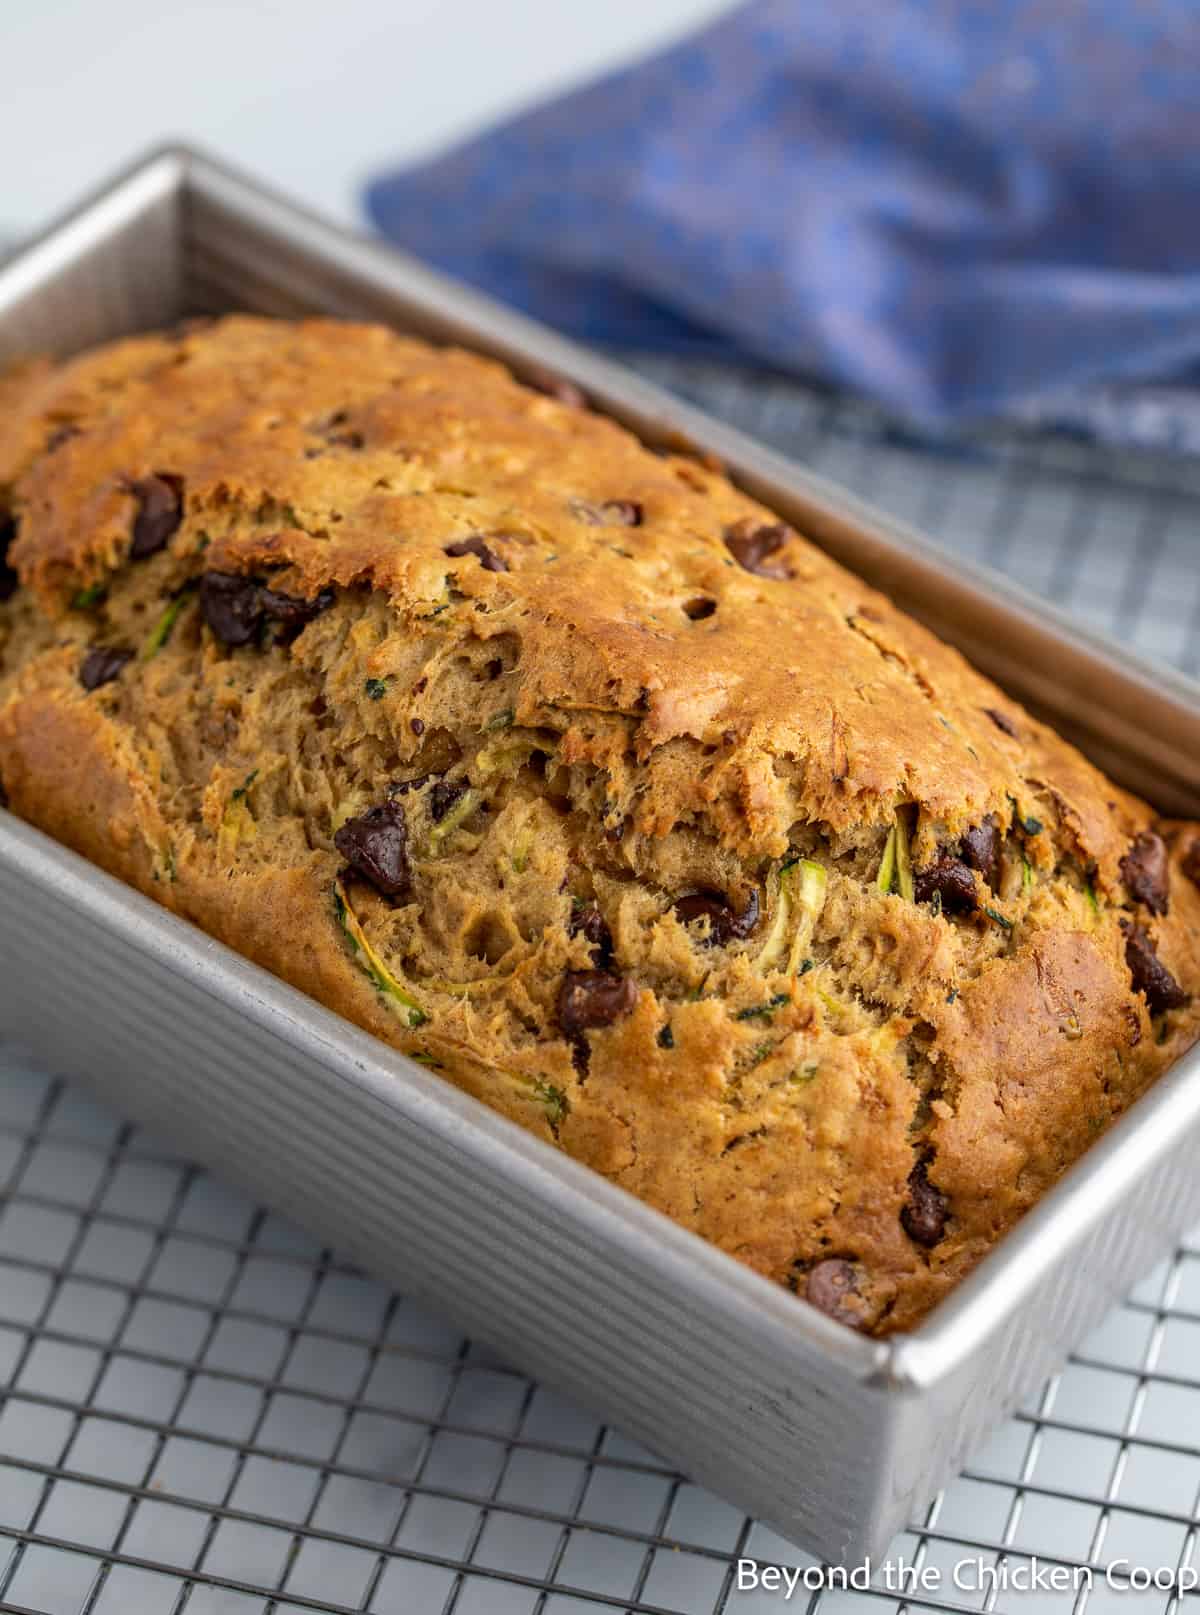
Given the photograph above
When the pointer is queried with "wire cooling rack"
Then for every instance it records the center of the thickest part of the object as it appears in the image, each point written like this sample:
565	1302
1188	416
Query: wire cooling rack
201	1410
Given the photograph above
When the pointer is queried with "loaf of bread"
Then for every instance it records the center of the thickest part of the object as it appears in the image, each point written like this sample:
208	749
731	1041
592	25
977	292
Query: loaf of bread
569	770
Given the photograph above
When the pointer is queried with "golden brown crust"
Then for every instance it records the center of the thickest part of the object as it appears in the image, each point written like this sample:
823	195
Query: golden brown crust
629	684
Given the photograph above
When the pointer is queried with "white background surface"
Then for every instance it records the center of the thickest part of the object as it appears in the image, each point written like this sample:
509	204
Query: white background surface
313	95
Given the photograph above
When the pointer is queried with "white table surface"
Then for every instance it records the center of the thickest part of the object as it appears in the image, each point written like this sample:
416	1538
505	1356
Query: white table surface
312	96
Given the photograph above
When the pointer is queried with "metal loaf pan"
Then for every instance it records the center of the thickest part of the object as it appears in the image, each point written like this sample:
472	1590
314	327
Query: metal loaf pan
830	1438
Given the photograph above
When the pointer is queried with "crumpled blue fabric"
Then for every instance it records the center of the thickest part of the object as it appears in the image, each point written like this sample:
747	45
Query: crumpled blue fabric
955	206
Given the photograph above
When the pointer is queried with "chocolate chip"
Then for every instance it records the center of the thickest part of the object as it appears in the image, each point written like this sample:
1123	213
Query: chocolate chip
102	664
1146	873
488	559
833	1289
979	849
160	511
1002	721
724	923
699	608
444	795
588	922
417	725
609	513
923	1218
752	544
746	922
1190	862
8	578
948	881
593	998
291	610
231	605
1150	975
375	845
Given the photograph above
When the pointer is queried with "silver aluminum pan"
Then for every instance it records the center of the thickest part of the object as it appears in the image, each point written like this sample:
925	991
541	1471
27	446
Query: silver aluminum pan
831	1439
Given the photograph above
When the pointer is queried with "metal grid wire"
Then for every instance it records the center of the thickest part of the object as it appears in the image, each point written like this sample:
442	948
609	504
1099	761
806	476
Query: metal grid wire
202	1410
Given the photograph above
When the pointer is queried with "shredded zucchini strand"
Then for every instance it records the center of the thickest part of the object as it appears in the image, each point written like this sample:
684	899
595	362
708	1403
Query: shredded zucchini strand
386	984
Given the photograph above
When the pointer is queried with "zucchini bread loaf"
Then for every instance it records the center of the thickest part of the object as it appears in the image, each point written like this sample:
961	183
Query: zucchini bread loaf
572	772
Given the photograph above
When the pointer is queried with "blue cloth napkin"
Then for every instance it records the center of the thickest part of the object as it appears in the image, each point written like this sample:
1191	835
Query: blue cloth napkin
956	206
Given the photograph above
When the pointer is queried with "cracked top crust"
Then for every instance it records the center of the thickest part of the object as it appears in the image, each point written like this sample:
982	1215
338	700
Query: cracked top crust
601	790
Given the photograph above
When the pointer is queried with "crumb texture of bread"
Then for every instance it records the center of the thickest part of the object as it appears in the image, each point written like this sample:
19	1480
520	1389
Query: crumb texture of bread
569	770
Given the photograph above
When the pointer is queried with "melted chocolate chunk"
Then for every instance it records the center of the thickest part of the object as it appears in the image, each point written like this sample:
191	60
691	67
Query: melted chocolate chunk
724	923
589	923
1150	975
949	880
924	1216
593	998
102	664
160	511
980	849
833	1289
488	559
610	513
376	847
699	608
8	578
752	546
444	795
1001	720
1146	872
235	607
231	606
292	611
